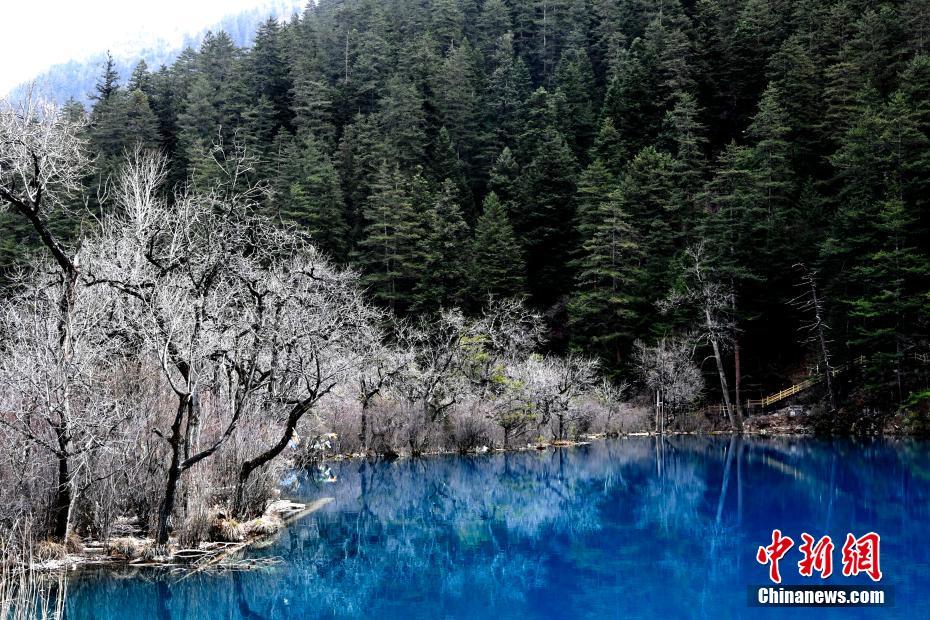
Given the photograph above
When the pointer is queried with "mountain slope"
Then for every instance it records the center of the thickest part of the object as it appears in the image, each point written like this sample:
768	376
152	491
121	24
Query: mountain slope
76	78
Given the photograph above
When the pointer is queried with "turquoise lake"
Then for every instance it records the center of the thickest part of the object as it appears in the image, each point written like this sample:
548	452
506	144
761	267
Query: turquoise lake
636	527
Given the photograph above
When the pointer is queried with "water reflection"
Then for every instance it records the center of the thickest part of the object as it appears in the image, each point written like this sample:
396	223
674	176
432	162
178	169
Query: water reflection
638	527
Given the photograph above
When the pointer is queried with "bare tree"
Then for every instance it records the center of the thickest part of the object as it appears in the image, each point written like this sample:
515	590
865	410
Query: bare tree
810	302
556	384
183	271
42	161
609	395
61	398
431	384
667	369
381	364
317	342
712	299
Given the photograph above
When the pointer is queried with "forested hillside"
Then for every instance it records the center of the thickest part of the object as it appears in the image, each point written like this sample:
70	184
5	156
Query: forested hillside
76	77
750	172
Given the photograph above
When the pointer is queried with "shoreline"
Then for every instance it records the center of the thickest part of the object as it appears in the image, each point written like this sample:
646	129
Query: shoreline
215	555
207	556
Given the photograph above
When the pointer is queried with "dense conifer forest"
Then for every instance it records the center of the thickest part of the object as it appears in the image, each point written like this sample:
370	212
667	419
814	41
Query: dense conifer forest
750	172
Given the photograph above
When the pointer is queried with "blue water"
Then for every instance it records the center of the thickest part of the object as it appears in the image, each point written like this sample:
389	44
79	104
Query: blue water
626	528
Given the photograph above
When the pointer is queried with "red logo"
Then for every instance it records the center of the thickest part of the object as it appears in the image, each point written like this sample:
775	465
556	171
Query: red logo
817	557
860	555
773	553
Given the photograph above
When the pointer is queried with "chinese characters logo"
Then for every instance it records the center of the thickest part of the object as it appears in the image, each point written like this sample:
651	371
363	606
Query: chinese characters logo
859	555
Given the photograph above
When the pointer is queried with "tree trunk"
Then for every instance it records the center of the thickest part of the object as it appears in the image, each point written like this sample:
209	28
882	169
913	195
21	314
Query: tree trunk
736	419
265	457
363	432
737	379
64	498
174	476
64	490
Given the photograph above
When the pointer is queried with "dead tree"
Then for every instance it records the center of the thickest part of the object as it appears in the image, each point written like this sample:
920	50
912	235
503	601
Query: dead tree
701	290
810	303
182	273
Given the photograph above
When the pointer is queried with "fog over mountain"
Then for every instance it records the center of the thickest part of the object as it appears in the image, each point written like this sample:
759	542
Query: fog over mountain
156	46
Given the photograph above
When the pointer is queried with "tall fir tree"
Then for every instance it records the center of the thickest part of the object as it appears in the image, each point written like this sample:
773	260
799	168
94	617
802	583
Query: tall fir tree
497	268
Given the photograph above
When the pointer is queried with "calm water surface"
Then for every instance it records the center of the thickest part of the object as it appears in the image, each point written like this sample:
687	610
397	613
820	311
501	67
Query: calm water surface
627	528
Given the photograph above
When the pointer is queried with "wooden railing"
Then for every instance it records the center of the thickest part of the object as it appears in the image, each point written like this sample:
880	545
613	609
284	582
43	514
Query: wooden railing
765	401
810	382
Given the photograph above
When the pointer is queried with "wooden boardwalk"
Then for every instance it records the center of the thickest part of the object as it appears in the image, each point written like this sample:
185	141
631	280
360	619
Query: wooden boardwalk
797	388
808	383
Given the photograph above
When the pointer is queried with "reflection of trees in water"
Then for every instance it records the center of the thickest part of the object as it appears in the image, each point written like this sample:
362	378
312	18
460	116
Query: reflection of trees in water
466	526
504	531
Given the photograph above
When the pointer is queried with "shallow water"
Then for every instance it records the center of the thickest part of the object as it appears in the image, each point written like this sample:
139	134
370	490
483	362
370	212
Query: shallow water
626	528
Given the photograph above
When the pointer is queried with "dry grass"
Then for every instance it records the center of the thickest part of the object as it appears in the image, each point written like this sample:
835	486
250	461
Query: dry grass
46	550
129	548
263	526
227	530
25	594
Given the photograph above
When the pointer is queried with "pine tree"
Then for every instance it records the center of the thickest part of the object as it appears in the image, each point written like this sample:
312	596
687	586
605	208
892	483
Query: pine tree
575	115
403	123
108	84
141	124
141	79
504	179
509	86
457	87
445	245
609	147
199	121
544	214
361	153
493	24
798	81
734	223
772	153
497	268
630	103
389	250
258	128
309	193
667	50
883	288
608	309
267	71
448	23
685	136
652	200
595	184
